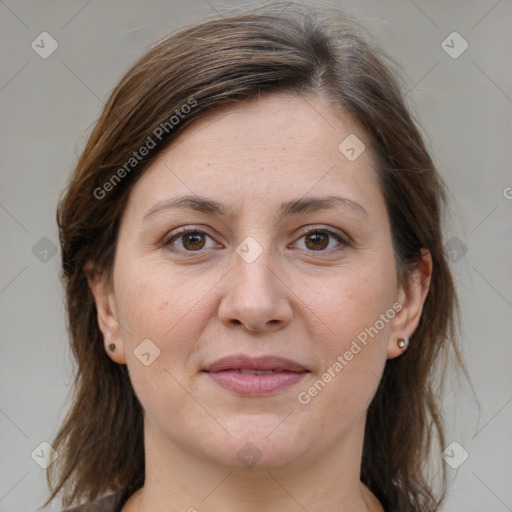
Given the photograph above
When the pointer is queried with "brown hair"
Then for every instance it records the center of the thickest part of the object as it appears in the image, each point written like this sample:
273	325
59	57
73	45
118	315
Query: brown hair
224	60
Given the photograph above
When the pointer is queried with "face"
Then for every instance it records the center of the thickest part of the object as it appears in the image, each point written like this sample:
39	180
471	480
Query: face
253	268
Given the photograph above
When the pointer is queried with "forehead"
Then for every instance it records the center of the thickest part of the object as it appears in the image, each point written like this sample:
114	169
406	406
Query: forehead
267	149
296	126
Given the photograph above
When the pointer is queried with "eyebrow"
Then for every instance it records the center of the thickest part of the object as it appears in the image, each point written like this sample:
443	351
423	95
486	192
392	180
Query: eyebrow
290	208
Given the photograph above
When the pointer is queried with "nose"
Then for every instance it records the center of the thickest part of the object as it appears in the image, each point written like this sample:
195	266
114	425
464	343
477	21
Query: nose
256	297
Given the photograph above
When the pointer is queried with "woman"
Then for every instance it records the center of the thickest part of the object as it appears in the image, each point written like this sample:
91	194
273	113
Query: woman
258	295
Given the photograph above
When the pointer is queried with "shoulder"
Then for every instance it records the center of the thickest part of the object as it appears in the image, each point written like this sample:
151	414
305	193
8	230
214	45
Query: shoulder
106	504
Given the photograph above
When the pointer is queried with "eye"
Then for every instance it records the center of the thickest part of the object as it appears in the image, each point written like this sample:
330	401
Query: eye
190	240
317	240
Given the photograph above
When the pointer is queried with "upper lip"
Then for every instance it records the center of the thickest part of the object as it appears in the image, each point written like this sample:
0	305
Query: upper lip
243	362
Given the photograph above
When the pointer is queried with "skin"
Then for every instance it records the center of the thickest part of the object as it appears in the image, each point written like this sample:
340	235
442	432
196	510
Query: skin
302	298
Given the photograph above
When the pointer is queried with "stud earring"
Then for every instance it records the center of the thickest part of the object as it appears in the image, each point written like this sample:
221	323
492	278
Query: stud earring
403	343
112	347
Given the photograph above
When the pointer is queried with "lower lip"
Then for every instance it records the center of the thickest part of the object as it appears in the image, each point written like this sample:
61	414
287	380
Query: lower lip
255	385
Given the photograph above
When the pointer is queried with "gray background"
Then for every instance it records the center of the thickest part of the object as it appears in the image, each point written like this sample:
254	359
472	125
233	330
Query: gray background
47	107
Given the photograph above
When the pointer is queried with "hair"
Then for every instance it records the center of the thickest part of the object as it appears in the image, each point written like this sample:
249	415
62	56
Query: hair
221	61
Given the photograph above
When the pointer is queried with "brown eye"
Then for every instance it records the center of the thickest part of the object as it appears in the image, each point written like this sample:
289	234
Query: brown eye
318	240
188	240
193	240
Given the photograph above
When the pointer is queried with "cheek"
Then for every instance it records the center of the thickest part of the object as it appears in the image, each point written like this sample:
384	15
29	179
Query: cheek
167	307
154	300
163	308
355	300
357	308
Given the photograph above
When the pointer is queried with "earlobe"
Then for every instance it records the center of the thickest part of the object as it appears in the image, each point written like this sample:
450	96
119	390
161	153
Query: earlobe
412	298
106	313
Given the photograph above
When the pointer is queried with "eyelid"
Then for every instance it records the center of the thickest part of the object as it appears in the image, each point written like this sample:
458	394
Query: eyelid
327	229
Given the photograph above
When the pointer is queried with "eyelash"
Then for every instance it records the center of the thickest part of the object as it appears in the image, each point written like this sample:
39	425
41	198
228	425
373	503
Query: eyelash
168	243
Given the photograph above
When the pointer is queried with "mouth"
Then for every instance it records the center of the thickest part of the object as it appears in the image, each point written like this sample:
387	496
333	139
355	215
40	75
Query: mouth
250	376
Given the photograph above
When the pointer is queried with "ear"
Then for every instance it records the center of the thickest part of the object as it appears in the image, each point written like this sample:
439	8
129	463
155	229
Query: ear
412	297
108	323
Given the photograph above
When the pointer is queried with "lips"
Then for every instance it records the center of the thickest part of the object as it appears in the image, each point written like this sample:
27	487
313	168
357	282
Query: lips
248	364
255	376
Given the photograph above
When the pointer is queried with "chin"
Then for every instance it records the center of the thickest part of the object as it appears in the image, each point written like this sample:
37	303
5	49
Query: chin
259	444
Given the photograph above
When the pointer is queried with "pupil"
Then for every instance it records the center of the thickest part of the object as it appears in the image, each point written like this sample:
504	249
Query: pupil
317	238
193	238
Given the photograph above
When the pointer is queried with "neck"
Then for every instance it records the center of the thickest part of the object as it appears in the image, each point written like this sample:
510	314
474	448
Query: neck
179	479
